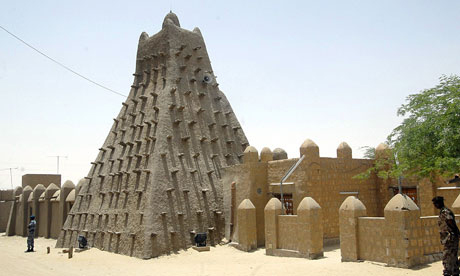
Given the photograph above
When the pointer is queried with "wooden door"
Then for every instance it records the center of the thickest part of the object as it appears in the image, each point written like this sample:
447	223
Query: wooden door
288	203
412	193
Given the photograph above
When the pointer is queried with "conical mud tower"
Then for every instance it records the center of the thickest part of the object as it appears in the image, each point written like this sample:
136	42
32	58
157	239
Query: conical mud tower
155	182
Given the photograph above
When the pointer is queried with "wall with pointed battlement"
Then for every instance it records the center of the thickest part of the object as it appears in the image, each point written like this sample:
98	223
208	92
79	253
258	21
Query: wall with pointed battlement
294	235
328	180
49	205
401	238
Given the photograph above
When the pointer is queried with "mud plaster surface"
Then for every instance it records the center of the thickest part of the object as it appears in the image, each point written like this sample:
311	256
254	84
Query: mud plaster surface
156	179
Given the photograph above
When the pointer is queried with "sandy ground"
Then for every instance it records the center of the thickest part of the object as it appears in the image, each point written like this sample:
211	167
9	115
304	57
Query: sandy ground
221	260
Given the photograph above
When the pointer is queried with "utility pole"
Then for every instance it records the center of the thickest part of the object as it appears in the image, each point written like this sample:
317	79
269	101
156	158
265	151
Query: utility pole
399	175
285	177
11	174
57	159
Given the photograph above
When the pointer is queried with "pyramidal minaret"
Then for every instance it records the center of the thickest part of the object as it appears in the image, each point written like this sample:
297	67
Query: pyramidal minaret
155	181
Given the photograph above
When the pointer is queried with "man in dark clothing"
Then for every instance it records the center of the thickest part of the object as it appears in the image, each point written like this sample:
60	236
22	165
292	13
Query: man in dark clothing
449	233
455	179
31	234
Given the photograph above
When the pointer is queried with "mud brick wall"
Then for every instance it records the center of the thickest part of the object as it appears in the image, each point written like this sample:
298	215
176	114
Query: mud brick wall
402	238
5	208
288	230
371	241
294	235
45	204
328	180
333	177
431	240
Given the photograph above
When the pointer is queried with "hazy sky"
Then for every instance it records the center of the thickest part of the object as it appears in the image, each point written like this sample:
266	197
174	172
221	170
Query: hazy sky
330	71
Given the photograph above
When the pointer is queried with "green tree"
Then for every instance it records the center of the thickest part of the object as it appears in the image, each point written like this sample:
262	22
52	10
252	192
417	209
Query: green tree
384	165
427	143
368	152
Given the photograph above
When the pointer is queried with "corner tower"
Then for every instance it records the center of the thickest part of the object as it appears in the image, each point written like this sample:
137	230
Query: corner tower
154	183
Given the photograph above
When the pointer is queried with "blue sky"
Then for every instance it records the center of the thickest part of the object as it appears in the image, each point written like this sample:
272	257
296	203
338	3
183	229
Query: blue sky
330	71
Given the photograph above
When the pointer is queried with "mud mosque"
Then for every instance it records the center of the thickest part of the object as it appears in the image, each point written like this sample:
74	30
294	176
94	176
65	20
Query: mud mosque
176	163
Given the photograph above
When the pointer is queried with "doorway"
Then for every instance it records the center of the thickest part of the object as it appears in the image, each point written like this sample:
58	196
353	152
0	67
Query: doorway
288	203
409	191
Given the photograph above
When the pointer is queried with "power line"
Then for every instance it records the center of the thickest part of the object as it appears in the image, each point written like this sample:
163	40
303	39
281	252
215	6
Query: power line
60	64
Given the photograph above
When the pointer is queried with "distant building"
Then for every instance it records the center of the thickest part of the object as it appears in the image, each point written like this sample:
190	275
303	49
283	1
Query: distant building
33	180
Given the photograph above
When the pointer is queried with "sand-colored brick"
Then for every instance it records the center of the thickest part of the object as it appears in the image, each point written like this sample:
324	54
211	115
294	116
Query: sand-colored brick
294	235
247	230
349	211
401	238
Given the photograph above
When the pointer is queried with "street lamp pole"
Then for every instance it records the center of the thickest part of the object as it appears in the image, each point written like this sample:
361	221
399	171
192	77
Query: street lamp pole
11	174
57	159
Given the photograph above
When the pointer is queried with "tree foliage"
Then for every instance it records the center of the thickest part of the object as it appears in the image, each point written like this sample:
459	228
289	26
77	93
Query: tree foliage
384	166
368	152
427	142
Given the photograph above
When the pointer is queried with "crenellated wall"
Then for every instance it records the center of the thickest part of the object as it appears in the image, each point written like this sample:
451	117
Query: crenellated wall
42	202
401	238
294	235
328	180
251	171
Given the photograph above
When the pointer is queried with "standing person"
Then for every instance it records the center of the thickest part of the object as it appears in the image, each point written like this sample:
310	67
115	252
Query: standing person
31	234
449	233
